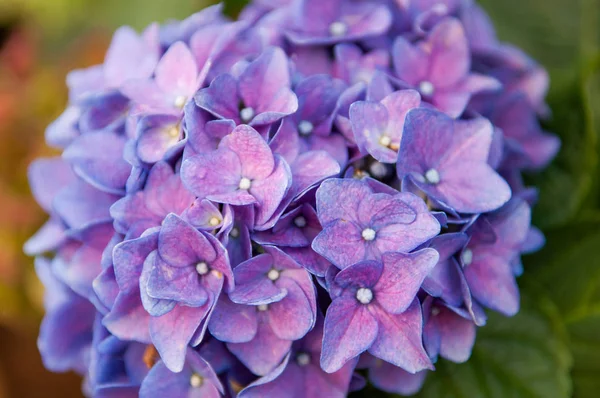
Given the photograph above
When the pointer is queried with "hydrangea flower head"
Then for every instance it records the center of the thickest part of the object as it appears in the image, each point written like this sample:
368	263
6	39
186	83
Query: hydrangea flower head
262	208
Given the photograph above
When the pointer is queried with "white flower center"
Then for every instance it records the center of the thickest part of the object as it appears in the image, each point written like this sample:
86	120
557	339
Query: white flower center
364	295
435	311
214	221
262	307
300	222
202	268
378	169
303	359
235	232
338	28
305	127
180	101
426	88
432	176
385	140
246	114
273	274
196	380
467	256
368	234
245	183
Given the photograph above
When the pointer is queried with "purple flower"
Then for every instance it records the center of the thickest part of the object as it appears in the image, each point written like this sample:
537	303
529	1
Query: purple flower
199	189
375	308
334	21
444	281
488	258
175	81
378	126
447	159
301	373
359	224
196	379
354	66
157	137
439	68
448	333
247	173
279	306
164	193
391	378
260	95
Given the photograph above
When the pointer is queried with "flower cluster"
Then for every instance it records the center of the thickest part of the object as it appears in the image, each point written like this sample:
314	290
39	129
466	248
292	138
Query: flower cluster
281	205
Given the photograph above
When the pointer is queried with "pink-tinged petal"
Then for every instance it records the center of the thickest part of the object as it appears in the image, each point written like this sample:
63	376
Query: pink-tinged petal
220	98
47	176
310	168
276	383
286	141
473	188
402	277
211	174
155	139
399	340
264	352
411	64
369	124
255	156
475	83
128	320
390	378
341	243
145	93
444	280
381	209
428	135
233	323
264	86
172	332
178	284
457	335
406	237
165	192
269	193
293	316
129	57
98	159
334	144
451	102
450	55
180	244
492	282
253	287
129	257
349	330
339	199
363	274
511	226
176	72
309	259
398	104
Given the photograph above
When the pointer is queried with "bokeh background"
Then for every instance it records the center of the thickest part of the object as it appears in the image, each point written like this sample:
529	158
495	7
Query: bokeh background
554	342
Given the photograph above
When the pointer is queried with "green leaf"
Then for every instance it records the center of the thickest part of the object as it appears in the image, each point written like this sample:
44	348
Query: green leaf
569	271
523	356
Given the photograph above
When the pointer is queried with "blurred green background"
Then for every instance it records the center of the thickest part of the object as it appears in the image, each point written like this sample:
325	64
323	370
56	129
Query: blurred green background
551	349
